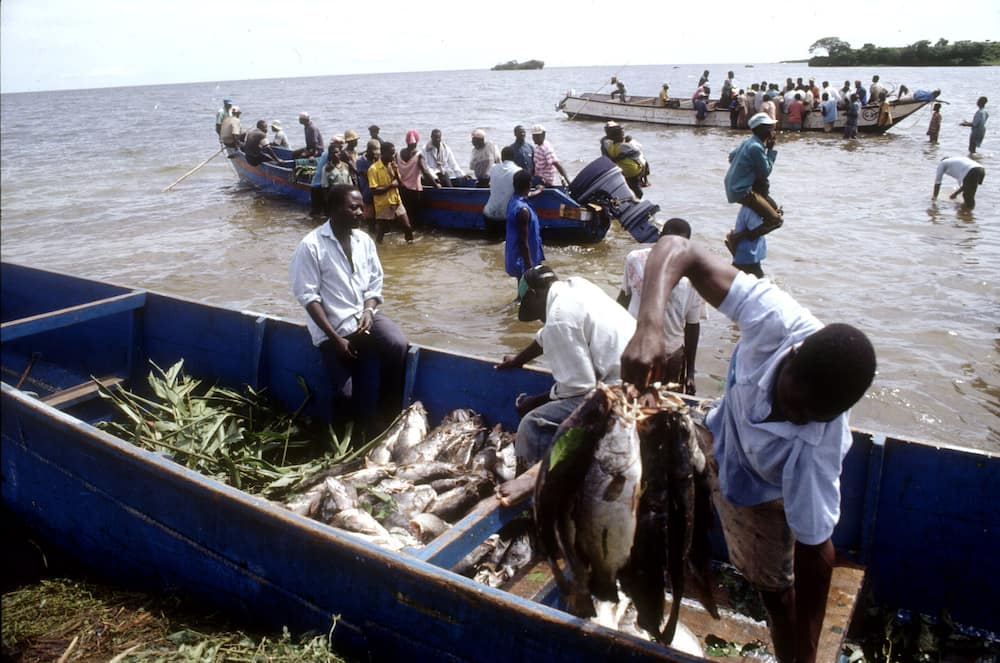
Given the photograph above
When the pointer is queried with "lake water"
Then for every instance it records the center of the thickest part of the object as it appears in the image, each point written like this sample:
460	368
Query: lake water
83	174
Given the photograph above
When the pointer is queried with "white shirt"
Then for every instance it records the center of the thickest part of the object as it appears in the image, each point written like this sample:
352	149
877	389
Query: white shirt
320	271
584	336
763	460
957	167
684	307
501	189
442	159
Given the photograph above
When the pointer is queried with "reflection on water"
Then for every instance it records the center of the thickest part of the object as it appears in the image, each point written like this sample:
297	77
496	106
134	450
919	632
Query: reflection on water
862	242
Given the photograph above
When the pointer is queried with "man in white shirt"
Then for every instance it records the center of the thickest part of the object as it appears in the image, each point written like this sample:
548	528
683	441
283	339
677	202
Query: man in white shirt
441	160
969	174
336	275
682	316
778	435
583	335
501	188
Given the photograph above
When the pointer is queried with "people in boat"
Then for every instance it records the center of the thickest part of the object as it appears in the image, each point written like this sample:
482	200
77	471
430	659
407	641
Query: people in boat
664	94
548	170
829	109
845	95
524	152
884	110
584	332
746	242
619	90
903	94
701	108
862	94
703	79
231	133
794	114
682	316
776	439
967	172
336	275
875	90
833	92
222	114
768	107
523	234
626	156
726	95
314	139
978	125
278	136
703	89
484	155
413	171
256	147
383	178
501	188
373	151
750	165
852	114
441	160
743	106
934	127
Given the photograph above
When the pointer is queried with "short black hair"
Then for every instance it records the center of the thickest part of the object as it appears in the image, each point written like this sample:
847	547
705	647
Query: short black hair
337	195
676	226
522	180
507	153
837	365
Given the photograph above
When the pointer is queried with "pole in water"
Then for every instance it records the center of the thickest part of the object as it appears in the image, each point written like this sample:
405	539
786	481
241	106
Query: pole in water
192	171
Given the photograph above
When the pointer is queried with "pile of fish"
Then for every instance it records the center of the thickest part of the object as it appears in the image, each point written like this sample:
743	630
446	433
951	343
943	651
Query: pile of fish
623	497
414	484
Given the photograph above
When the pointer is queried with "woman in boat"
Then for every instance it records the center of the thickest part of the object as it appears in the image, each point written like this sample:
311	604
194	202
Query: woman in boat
412	167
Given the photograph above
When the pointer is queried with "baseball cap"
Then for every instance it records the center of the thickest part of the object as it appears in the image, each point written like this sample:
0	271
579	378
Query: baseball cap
759	119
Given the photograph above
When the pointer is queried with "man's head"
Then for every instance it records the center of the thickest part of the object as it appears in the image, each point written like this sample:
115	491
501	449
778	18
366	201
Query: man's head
373	131
519	133
478	138
373	150
825	375
522	182
351	138
303	118
227	103
436	138
412	137
538	134
507	153
875	78
345	207
236	111
676	226
536	284
762	125
275	126
388	152
262	125
982	102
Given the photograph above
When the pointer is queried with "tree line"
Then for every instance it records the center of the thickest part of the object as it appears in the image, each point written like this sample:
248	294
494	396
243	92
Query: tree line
838	53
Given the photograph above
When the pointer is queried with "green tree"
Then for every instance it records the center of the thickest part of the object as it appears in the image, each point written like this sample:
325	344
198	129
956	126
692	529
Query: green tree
832	45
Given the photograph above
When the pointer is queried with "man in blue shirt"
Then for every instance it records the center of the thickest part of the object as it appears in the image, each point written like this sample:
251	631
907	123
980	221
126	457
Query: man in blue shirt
750	166
778	435
523	247
524	152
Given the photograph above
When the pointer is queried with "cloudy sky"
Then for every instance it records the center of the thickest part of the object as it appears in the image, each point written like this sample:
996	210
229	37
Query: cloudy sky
68	44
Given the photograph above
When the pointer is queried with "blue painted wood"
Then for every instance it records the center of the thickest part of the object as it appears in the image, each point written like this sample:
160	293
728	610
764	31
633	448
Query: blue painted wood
44	322
924	517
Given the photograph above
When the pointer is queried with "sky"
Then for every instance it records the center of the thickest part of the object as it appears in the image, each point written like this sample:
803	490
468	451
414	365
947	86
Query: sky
71	44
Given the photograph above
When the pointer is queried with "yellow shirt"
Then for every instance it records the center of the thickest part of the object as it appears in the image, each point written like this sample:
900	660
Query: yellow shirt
379	175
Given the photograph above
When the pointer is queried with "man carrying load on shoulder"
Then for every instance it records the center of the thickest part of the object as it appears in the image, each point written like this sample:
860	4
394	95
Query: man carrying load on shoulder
750	166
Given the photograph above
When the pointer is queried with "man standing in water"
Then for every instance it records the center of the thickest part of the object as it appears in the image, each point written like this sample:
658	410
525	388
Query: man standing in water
336	275
750	167
978	126
778	435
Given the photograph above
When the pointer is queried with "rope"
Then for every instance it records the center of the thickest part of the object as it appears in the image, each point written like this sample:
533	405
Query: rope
598	91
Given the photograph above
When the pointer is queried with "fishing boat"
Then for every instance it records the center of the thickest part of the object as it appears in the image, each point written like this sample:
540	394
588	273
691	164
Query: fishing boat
681	112
919	528
564	217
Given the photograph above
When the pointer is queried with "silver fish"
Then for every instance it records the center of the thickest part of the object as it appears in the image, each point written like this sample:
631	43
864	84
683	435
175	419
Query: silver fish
426	471
456	423
427	526
358	520
336	496
467	565
453	504
368	476
408	429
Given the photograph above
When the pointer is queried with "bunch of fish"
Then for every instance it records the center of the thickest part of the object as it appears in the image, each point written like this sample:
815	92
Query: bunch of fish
414	484
623	497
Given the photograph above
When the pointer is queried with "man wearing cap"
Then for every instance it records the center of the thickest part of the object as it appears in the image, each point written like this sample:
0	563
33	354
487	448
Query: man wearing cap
547	166
750	167
279	138
314	140
484	155
583	336
222	114
351	139
336	275
524	153
231	132
441	160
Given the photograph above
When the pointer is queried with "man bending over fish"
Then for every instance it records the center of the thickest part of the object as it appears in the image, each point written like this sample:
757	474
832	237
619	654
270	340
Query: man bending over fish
780	430
584	334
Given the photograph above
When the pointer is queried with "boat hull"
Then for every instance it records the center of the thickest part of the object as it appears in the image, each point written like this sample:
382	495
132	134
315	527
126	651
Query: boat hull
592	106
921	518
455	209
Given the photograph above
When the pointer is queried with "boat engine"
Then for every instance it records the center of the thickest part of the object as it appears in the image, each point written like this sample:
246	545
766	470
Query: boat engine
601	182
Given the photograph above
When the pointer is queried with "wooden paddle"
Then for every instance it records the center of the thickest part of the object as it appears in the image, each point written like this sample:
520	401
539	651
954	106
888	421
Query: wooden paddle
193	170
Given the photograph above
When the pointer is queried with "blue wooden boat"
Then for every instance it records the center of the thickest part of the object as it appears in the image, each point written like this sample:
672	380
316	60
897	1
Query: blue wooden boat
920	523
564	218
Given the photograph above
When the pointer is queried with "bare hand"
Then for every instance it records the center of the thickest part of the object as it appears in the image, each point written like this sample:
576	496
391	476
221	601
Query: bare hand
366	321
507	363
344	349
645	358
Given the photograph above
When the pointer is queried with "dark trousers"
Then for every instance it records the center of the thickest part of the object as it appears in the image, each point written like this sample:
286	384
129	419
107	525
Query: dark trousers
971	184
369	389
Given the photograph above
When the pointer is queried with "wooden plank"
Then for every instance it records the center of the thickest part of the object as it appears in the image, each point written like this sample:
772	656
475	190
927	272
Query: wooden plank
82	392
72	315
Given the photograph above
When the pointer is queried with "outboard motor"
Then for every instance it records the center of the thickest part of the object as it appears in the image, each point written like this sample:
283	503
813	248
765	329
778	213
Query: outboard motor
602	182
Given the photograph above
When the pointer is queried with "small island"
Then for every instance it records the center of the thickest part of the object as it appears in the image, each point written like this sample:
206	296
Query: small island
515	65
838	53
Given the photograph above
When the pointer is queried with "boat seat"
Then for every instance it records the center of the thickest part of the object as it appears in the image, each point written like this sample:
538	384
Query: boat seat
66	398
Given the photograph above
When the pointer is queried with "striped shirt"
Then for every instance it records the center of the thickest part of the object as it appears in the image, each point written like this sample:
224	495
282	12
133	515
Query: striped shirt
545	164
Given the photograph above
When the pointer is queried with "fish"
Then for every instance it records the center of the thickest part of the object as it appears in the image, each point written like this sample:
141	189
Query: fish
427	526
560	476
426	471
456	423
368	476
358	520
606	509
336	496
467	565
454	503
462	448
409	428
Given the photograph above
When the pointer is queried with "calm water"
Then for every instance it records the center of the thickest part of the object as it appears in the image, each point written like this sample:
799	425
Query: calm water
862	241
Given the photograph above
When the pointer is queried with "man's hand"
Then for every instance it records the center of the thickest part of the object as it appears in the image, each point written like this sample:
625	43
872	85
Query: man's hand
366	321
730	243
689	386
645	358
344	349
508	362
